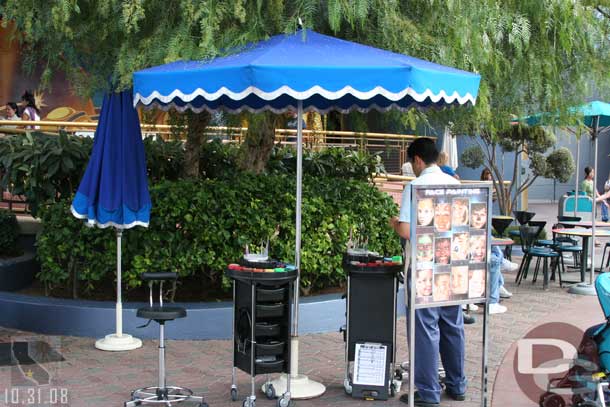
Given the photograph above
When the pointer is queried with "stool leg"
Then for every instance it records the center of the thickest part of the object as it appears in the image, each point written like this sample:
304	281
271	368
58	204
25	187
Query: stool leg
162	383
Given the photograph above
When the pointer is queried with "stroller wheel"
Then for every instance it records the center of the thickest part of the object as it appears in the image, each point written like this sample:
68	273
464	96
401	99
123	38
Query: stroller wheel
549	399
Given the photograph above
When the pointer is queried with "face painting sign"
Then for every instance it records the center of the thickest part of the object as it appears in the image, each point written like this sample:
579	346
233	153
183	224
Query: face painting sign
451	243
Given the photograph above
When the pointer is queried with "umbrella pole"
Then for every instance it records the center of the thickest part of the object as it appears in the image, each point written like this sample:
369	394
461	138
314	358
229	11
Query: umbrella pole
577	171
118	341
294	385
119	295
594	209
589	288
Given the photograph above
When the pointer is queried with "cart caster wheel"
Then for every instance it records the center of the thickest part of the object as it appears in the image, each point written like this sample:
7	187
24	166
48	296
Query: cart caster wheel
284	402
347	387
270	391
552	400
234	394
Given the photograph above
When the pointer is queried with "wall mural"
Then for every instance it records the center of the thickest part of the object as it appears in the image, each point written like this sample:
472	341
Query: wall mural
57	102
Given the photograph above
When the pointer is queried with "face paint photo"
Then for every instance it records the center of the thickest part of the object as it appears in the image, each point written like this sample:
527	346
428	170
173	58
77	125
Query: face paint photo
459	280
442	250
459	212
442	287
425	249
425	212
423	284
478	249
478	215
459	250
476	284
442	216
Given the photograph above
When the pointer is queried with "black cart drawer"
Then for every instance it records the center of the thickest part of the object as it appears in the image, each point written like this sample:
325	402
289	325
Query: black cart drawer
270	348
266	329
269	310
270	294
276	366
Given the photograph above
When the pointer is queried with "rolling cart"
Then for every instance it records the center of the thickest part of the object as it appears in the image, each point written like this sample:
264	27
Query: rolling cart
370	330
262	317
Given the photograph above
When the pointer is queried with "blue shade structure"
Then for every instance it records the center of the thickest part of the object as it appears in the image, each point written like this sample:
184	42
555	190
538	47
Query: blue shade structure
114	189
595	115
323	72
304	71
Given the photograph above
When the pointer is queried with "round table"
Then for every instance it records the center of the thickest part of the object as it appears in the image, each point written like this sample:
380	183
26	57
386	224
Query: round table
586	235
586	224
502	241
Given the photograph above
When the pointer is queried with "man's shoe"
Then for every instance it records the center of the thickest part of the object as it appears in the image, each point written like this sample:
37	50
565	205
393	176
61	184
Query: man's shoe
418	401
455	396
469	319
497	309
504	293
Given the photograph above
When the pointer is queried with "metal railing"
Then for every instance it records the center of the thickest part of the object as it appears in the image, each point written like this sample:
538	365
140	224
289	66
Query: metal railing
391	147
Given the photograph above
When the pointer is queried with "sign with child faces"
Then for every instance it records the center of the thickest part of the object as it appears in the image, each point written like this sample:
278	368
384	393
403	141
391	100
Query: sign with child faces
450	235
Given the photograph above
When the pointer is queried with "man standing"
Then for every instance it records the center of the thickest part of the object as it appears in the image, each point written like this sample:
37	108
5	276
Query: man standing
438	329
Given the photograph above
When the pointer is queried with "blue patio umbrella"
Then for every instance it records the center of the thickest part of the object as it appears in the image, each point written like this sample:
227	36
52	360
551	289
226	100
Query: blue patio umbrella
114	189
595	114
304	71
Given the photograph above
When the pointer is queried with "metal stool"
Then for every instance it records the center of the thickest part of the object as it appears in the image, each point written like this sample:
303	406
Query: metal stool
162	394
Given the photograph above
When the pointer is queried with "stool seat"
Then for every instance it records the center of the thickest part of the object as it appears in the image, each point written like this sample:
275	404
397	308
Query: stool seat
165	313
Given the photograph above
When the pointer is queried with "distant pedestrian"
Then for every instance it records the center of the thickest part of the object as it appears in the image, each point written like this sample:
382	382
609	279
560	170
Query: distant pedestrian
591	191
30	112
443	163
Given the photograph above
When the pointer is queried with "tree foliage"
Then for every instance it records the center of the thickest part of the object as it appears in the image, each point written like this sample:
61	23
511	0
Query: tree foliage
535	142
533	55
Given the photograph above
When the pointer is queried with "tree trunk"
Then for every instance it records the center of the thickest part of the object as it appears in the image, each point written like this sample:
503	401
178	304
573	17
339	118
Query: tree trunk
197	122
258	145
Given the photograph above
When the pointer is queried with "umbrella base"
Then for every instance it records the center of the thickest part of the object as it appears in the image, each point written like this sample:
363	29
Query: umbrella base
300	387
582	289
115	343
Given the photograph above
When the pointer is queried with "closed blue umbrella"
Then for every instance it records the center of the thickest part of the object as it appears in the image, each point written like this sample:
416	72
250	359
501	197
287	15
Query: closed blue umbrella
114	189
304	71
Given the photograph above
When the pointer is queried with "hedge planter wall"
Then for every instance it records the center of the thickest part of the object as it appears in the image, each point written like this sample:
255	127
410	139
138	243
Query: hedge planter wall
198	227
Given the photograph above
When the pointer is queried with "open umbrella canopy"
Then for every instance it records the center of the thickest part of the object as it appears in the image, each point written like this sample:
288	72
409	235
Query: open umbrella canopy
324	72
587	112
304	71
114	188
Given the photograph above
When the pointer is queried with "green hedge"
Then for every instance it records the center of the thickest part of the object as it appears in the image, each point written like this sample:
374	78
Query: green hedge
9	234
198	227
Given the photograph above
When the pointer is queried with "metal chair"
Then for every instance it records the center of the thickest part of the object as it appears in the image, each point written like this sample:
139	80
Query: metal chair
601	266
529	235
162	394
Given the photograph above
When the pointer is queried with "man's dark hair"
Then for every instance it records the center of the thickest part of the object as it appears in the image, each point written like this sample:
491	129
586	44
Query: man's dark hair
424	148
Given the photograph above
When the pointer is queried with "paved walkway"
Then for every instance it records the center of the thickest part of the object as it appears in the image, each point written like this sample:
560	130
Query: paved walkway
92	378
95	378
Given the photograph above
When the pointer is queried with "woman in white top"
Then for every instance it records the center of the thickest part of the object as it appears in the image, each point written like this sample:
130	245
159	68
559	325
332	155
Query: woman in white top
30	111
